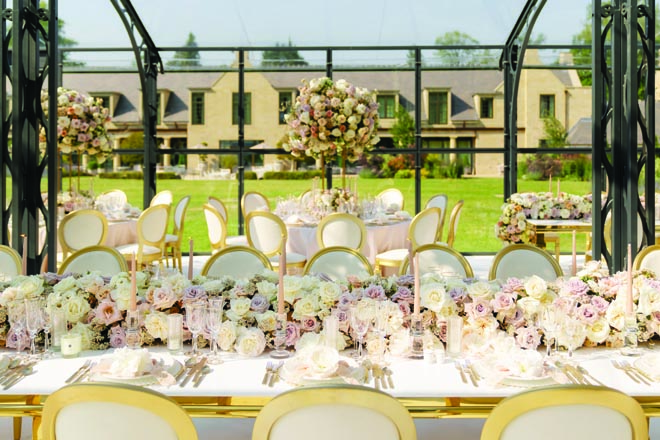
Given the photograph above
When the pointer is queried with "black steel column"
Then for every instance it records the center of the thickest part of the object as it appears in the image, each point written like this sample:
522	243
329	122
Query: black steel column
5	120
511	62
328	162
241	136
418	130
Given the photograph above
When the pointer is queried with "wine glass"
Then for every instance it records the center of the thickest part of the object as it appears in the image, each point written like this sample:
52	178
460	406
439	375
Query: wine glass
548	321
46	323
195	319
33	320
360	325
214	315
16	317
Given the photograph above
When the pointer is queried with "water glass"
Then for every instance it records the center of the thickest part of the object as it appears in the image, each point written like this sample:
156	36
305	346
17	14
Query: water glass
175	333
454	335
58	322
195	320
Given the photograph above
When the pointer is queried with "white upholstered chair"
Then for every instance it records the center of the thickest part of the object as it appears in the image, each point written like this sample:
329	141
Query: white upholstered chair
103	259
267	233
254	201
440	259
164	197
454	218
173	241
567	412
151	230
81	228
648	258
341	229
105	411
231	240
334	412
11	264
215	227
391	199
439	201
422	230
524	260
236	262
337	262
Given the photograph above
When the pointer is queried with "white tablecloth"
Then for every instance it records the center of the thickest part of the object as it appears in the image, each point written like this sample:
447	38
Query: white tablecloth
380	238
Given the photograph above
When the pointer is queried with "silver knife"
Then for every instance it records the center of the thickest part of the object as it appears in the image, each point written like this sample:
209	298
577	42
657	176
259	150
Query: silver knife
192	372
460	370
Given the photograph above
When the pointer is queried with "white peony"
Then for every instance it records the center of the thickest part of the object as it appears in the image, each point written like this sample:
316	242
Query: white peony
536	287
250	342
156	325
598	331
227	335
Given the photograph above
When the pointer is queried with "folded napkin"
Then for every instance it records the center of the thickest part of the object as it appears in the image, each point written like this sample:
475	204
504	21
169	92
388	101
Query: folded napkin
402	214
650	365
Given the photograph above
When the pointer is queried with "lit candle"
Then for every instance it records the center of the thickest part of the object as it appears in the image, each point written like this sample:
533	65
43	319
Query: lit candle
417	288
190	259
25	254
133	299
280	284
629	296
574	266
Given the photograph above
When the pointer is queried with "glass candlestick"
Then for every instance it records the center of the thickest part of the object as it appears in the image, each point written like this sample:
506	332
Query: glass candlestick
280	351
630	331
132	329
417	338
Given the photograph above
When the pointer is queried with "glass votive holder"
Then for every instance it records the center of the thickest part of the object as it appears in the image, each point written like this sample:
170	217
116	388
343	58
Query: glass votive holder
70	345
330	330
454	336
175	333
58	321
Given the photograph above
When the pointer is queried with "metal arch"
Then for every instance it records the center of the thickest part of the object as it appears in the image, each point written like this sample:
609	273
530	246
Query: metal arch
617	110
148	71
511	62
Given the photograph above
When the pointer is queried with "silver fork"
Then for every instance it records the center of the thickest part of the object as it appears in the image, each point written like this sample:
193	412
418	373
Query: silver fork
628	372
78	372
640	374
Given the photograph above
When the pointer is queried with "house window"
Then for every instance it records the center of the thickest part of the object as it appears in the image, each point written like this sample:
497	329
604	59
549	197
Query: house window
465	159
440	158
284	105
486	108
547	106
386	106
247	102
438	107
197	107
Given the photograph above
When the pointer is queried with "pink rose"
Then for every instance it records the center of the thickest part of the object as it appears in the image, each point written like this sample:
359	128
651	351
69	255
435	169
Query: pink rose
107	312
163	298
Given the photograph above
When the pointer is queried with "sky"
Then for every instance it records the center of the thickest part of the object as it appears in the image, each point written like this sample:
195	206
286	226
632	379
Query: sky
229	23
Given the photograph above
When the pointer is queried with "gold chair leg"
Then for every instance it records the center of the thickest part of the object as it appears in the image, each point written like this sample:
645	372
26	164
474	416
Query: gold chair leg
18	428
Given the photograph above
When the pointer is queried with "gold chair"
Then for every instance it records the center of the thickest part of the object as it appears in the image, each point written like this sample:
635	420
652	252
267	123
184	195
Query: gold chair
236	262
422	230
231	240
454	218
81	228
567	412
334	412
648	258
341	229
440	259
254	201
162	198
11	264
439	201
391	199
104	259
173	240
524	260
105	411
218	205
267	233
215	227
151	229
337	262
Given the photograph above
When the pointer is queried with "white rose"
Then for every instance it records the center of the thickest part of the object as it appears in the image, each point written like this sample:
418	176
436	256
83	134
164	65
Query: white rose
267	289
616	313
481	289
227	335
10	294
156	325
598	331
266	321
323	361
307	341
306	306
292	288
529	306
76	308
329	293
536	287
121	295
130	363
434	297
649	300
32	286
250	342
376	345
238	308
85	333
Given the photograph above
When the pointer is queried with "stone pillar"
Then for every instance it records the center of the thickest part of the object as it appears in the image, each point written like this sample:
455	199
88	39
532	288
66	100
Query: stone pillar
85	162
452	146
116	160
166	157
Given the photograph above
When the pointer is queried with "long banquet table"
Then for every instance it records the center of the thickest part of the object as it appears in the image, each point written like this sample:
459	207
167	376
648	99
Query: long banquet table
234	388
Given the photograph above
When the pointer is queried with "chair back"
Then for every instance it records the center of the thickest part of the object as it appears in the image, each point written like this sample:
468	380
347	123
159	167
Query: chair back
648	258
391	199
254	201
266	232
112	200
180	215
11	264
105	411
104	259
216	227
424	227
567	412
306	198
152	226
607	231
219	206
346	412
440	259
439	201
524	260
341	229
80	229
338	262
454	218
162	198
237	262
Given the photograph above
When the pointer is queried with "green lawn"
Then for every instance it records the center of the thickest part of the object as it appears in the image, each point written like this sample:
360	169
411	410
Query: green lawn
483	198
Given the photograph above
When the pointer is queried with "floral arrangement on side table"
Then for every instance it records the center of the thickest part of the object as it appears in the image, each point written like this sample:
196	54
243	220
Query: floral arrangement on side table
512	225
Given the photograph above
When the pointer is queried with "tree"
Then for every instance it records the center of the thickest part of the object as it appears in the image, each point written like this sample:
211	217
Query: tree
403	129
279	58
555	133
186	58
134	141
462	57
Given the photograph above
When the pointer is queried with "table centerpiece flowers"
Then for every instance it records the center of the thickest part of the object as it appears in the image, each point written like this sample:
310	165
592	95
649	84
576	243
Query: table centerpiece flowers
332	118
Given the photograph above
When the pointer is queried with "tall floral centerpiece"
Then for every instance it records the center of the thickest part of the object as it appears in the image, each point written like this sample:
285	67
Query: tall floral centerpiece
332	119
81	126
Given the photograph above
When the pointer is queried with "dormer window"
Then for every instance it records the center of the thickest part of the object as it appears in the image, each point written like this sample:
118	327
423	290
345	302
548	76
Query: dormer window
438	107
386	105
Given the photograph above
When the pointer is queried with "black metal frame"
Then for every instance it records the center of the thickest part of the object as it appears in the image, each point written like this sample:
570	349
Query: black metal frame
616	110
